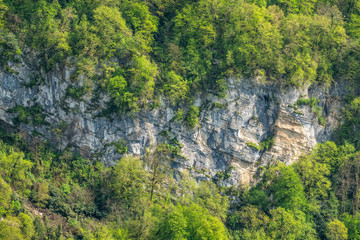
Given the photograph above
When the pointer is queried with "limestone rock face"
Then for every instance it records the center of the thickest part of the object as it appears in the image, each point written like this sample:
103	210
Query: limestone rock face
250	113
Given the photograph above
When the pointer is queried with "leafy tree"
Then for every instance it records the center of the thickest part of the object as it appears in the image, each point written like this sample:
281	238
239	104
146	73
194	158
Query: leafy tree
259	198
353	26
120	234
348	131
10	229
3	9
352	223
328	210
283	225
87	7
306	35
176	88
159	164
194	34
314	178
15	170
191	222
40	230
41	193
208	196
5	196
27	227
128	181
286	187
187	189
141	21
112	31
349	7
8	41
86	42
192	117
130	198
49	31
100	232
82	201
348	184
294	6
249	223
118	89
336	230
142	74
247	35
174	226
331	155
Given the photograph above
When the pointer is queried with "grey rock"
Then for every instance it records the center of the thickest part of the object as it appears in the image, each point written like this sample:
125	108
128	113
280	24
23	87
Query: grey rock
254	111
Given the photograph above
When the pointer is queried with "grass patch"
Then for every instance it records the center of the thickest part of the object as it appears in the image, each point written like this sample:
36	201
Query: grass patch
254	146
264	145
219	105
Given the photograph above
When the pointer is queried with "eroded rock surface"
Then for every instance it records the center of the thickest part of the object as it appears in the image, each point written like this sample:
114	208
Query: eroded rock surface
250	113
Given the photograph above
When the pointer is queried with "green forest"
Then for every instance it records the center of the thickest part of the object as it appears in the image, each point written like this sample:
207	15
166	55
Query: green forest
138	51
46	194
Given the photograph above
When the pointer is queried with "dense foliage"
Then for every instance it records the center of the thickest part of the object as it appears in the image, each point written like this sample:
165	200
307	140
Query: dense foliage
135	50
50	195
47	194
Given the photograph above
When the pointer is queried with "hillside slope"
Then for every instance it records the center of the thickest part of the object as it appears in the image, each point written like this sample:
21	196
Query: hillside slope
249	114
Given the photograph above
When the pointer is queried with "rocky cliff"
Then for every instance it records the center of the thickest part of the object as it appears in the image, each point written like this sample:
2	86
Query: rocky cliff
230	133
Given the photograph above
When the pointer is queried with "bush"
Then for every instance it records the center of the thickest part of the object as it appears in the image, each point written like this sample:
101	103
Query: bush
192	117
33	115
179	115
5	197
264	145
120	146
75	92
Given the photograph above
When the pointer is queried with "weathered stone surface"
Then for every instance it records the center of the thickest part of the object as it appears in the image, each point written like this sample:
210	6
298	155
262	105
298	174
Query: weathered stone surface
253	112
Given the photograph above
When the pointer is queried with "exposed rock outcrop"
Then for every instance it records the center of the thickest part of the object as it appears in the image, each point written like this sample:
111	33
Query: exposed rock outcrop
250	113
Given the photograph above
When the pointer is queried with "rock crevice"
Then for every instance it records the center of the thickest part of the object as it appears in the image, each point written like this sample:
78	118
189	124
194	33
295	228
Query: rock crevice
251	113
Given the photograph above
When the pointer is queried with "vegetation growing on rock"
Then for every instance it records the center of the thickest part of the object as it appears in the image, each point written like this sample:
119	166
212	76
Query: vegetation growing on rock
135	51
